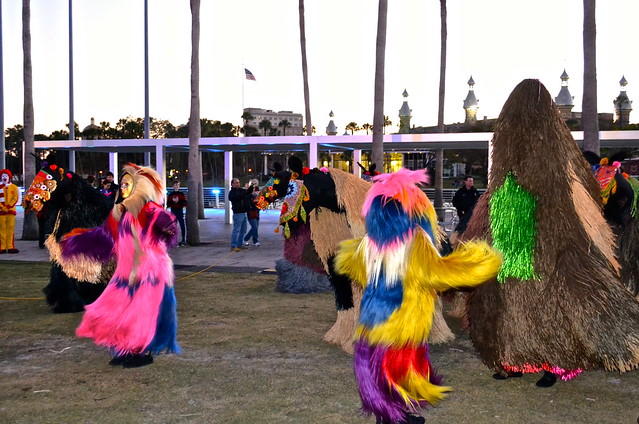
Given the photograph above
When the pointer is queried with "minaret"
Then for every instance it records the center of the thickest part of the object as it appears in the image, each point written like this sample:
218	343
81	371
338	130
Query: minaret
623	105
564	100
471	104
331	129
404	115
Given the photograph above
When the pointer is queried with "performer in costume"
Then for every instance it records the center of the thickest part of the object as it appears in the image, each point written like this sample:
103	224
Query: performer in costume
8	198
69	202
620	197
398	265
136	315
557	304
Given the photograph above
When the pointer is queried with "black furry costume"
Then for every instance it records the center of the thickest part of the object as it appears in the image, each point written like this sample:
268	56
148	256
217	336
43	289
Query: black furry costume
620	210
73	204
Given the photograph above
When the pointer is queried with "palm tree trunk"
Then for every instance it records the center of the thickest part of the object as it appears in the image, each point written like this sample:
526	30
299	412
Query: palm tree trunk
200	192
589	117
195	130
30	223
377	155
307	98
439	153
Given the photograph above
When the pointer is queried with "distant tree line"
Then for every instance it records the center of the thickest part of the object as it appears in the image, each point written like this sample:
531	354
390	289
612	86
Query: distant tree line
249	164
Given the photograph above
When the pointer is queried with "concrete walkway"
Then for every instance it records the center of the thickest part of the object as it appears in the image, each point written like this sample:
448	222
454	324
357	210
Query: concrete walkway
213	252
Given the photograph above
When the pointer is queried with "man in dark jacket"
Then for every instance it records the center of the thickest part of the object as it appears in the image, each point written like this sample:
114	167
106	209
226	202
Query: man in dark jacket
240	199
464	201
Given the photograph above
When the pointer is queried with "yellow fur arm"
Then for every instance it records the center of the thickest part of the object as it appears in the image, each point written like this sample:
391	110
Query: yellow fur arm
470	264
350	261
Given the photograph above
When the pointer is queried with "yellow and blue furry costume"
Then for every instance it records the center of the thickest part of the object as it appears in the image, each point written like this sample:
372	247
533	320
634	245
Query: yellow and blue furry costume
401	270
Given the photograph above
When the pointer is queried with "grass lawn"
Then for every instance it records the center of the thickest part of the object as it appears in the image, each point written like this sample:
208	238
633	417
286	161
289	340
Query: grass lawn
251	355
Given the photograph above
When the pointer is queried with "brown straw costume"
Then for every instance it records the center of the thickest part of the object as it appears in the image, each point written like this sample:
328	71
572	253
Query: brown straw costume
575	314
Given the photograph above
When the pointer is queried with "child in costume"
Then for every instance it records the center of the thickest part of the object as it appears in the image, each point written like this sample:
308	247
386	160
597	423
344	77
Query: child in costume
135	316
8	199
401	270
557	304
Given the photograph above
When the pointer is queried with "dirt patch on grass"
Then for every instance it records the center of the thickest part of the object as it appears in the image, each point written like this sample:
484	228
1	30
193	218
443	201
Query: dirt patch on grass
252	355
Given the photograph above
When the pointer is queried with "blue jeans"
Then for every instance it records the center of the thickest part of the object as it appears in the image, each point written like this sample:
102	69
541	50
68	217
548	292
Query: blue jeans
239	228
255	224
179	215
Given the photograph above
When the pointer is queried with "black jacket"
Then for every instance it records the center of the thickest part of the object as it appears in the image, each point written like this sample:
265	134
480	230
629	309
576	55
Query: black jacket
464	200
240	199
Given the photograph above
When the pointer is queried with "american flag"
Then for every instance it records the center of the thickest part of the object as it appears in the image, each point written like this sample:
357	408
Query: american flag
249	75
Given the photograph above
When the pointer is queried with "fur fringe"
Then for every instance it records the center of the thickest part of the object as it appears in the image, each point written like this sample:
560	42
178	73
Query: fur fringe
328	229
439	331
629	256
343	331
351	193
292	278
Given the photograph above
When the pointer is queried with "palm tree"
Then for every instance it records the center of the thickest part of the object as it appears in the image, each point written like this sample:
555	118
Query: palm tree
307	100
352	127
439	153
194	179
246	116
377	155
387	123
30	224
367	127
265	125
589	117
284	124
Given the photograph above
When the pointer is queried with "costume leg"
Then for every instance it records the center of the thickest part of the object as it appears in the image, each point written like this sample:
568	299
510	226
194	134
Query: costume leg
546	380
11	224
61	292
3	233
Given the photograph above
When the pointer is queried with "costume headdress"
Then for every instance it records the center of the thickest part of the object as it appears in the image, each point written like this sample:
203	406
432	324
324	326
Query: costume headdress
395	203
147	187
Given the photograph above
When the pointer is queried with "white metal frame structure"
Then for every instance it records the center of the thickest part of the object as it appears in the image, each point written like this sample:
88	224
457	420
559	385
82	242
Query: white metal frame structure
312	145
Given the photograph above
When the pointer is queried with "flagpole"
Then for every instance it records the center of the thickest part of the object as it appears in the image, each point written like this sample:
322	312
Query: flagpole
243	78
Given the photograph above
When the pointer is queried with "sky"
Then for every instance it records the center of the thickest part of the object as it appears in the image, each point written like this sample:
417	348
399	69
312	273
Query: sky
498	42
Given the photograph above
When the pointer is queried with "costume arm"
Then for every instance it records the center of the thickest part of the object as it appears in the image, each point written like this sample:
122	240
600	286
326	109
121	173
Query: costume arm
162	226
91	243
350	261
83	251
470	264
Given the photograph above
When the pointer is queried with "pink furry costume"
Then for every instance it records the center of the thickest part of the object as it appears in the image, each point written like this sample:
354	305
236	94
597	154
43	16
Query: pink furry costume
401	270
136	314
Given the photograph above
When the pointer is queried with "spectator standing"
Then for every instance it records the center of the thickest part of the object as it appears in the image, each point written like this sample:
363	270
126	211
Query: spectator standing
176	202
464	201
115	188
253	215
107	189
240	199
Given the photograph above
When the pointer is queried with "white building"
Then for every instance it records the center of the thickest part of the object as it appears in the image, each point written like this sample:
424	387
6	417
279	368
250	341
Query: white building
295	119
